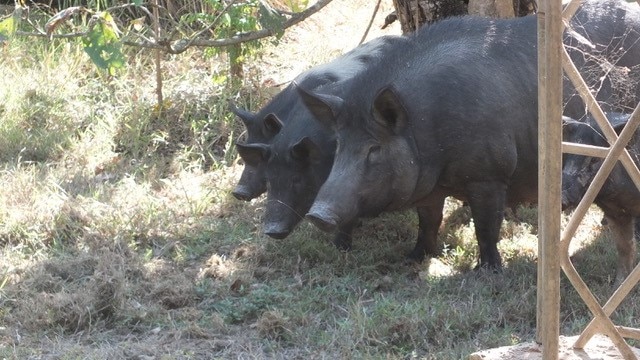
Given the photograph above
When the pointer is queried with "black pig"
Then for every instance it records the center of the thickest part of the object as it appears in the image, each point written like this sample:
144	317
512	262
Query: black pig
261	127
451	112
296	162
618	198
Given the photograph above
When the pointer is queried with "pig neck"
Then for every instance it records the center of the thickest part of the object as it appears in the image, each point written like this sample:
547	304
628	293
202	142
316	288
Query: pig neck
425	167
426	184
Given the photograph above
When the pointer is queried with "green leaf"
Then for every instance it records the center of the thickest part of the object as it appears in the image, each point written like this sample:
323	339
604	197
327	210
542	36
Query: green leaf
102	45
271	19
7	27
137	2
298	5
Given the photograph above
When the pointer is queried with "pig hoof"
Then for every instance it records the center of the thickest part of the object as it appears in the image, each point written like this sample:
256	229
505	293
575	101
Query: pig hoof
415	257
494	268
342	245
324	224
277	235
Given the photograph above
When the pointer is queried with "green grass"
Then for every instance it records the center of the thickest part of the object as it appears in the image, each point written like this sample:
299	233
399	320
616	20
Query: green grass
119	237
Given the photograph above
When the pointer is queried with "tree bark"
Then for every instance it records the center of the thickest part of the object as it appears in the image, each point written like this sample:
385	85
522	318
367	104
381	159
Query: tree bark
492	8
412	14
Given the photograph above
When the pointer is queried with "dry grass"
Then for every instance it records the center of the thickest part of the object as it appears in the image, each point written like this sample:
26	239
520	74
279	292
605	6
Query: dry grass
120	239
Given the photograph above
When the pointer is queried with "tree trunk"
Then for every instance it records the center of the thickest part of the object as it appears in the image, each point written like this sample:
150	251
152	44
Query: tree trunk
412	14
492	8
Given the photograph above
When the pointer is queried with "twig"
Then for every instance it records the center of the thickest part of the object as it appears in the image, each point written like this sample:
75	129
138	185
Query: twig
375	12
213	23
158	60
178	46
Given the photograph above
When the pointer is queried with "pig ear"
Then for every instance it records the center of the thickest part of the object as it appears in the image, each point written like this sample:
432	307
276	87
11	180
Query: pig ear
389	111
253	154
272	125
247	117
306	149
324	107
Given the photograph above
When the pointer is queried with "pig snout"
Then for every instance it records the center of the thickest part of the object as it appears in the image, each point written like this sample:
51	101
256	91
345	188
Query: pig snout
323	217
279	220
574	185
570	198
242	192
277	231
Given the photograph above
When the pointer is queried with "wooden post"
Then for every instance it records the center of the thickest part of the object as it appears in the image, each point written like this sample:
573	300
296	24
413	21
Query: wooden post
541	144
549	175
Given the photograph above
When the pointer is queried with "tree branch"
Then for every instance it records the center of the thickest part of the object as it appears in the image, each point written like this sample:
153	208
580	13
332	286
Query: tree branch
179	46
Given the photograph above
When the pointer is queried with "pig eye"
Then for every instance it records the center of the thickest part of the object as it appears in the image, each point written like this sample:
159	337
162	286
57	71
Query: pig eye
374	154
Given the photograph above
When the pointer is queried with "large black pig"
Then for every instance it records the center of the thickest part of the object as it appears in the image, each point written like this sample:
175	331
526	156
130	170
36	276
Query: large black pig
297	159
618	198
452	112
296	164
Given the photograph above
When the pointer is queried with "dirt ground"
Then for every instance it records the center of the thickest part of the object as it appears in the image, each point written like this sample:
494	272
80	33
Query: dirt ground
599	347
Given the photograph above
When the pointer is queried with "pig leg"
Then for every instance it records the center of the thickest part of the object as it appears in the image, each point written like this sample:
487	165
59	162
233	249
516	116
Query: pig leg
342	240
487	202
430	218
622	228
